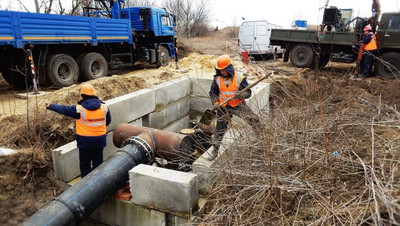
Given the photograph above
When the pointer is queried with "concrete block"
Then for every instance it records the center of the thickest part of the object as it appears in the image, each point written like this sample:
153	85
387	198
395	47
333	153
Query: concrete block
120	212
200	104
173	220
207	170
167	114
172	91
66	161
164	189
259	100
178	125
201	86
131	107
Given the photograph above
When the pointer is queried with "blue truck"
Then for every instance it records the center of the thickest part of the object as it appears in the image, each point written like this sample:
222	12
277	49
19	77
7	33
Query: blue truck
63	49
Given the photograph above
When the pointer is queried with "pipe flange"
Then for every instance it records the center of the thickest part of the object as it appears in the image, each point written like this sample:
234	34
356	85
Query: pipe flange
143	146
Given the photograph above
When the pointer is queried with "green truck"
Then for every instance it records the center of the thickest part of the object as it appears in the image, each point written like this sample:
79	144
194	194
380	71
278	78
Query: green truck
302	47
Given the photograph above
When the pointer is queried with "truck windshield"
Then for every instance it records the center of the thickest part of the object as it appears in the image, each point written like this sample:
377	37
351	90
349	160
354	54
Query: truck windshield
166	21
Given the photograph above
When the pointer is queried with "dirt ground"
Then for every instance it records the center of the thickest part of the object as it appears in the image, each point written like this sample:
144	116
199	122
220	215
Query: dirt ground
27	180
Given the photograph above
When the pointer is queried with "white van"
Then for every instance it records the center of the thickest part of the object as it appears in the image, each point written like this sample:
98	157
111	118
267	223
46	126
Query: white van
254	38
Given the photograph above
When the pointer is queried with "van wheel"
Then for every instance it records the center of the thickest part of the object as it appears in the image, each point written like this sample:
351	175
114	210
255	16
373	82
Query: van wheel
93	66
302	56
388	65
62	70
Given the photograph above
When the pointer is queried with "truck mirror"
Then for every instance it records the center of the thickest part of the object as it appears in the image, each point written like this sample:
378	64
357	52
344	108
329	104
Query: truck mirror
174	20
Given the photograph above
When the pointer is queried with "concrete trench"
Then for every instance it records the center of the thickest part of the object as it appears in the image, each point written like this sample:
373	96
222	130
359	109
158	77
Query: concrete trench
160	196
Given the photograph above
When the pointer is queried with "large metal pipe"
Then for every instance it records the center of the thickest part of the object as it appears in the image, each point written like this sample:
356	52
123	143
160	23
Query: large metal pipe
168	145
80	200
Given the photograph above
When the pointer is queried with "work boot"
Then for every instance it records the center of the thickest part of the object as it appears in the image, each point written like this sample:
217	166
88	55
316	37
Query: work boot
358	77
213	155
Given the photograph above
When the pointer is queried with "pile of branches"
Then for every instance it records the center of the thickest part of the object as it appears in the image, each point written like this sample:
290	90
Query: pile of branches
326	158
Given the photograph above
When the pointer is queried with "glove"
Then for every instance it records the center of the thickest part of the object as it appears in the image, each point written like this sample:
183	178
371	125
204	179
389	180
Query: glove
216	105
239	96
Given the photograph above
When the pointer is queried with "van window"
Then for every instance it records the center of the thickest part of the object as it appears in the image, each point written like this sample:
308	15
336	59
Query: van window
247	30
261	30
394	23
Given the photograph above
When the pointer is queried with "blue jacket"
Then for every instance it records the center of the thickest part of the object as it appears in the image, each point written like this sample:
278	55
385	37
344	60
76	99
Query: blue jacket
214	90
91	103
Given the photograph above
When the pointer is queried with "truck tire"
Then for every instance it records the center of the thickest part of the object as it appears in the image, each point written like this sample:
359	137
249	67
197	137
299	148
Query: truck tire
163	57
388	65
302	56
62	70
93	66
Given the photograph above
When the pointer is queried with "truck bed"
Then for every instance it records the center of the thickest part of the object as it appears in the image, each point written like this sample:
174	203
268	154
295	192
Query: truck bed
279	36
20	28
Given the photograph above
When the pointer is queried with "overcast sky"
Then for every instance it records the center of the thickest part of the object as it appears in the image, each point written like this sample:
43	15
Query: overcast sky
281	12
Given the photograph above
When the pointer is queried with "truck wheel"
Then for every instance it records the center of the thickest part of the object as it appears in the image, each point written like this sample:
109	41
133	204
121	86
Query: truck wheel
388	65
163	59
92	66
302	56
62	70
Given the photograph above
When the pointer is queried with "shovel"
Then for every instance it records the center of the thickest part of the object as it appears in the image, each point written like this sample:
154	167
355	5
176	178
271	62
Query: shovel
209	115
359	56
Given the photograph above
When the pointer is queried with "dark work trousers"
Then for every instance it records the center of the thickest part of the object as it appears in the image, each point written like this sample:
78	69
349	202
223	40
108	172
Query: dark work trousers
367	61
88	157
225	115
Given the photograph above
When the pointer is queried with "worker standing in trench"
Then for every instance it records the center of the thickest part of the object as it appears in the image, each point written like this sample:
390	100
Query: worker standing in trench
91	118
226	84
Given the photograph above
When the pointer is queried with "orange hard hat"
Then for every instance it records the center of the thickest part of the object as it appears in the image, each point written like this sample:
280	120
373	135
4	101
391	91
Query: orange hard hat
223	62
87	89
368	28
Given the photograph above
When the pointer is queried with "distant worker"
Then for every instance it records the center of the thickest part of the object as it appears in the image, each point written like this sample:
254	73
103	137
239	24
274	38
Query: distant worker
91	118
370	50
226	84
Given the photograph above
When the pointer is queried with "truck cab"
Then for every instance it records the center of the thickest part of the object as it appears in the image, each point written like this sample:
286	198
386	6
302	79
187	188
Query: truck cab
388	38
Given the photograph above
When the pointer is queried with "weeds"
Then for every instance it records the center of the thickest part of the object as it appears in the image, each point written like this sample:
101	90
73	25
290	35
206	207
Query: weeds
324	160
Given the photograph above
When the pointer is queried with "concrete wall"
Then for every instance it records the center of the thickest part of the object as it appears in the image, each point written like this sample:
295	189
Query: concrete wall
165	106
160	196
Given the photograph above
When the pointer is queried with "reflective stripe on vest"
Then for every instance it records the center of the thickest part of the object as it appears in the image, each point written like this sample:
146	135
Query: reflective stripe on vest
228	92
372	44
91	123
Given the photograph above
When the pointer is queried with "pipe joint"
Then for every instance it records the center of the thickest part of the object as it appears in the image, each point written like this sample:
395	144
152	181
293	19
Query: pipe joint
142	146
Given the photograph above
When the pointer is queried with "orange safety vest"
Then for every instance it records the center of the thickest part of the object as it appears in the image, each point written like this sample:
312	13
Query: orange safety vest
372	44
228	92
91	123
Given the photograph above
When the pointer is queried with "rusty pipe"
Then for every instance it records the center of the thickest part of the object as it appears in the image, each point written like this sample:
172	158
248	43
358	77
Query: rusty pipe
168	145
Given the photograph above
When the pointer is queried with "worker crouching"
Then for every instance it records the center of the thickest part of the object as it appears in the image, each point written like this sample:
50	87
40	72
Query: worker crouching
91	118
226	84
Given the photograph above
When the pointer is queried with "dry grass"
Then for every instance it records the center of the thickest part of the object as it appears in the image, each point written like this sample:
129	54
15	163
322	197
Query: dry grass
329	156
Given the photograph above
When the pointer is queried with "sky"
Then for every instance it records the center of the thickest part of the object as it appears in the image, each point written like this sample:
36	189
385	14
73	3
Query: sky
281	12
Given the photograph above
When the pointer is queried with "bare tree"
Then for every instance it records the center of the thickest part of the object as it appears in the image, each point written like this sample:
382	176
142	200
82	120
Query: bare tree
131	3
191	16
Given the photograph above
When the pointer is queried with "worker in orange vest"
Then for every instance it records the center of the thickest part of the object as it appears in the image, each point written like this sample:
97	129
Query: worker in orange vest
370	50
91	118
226	84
